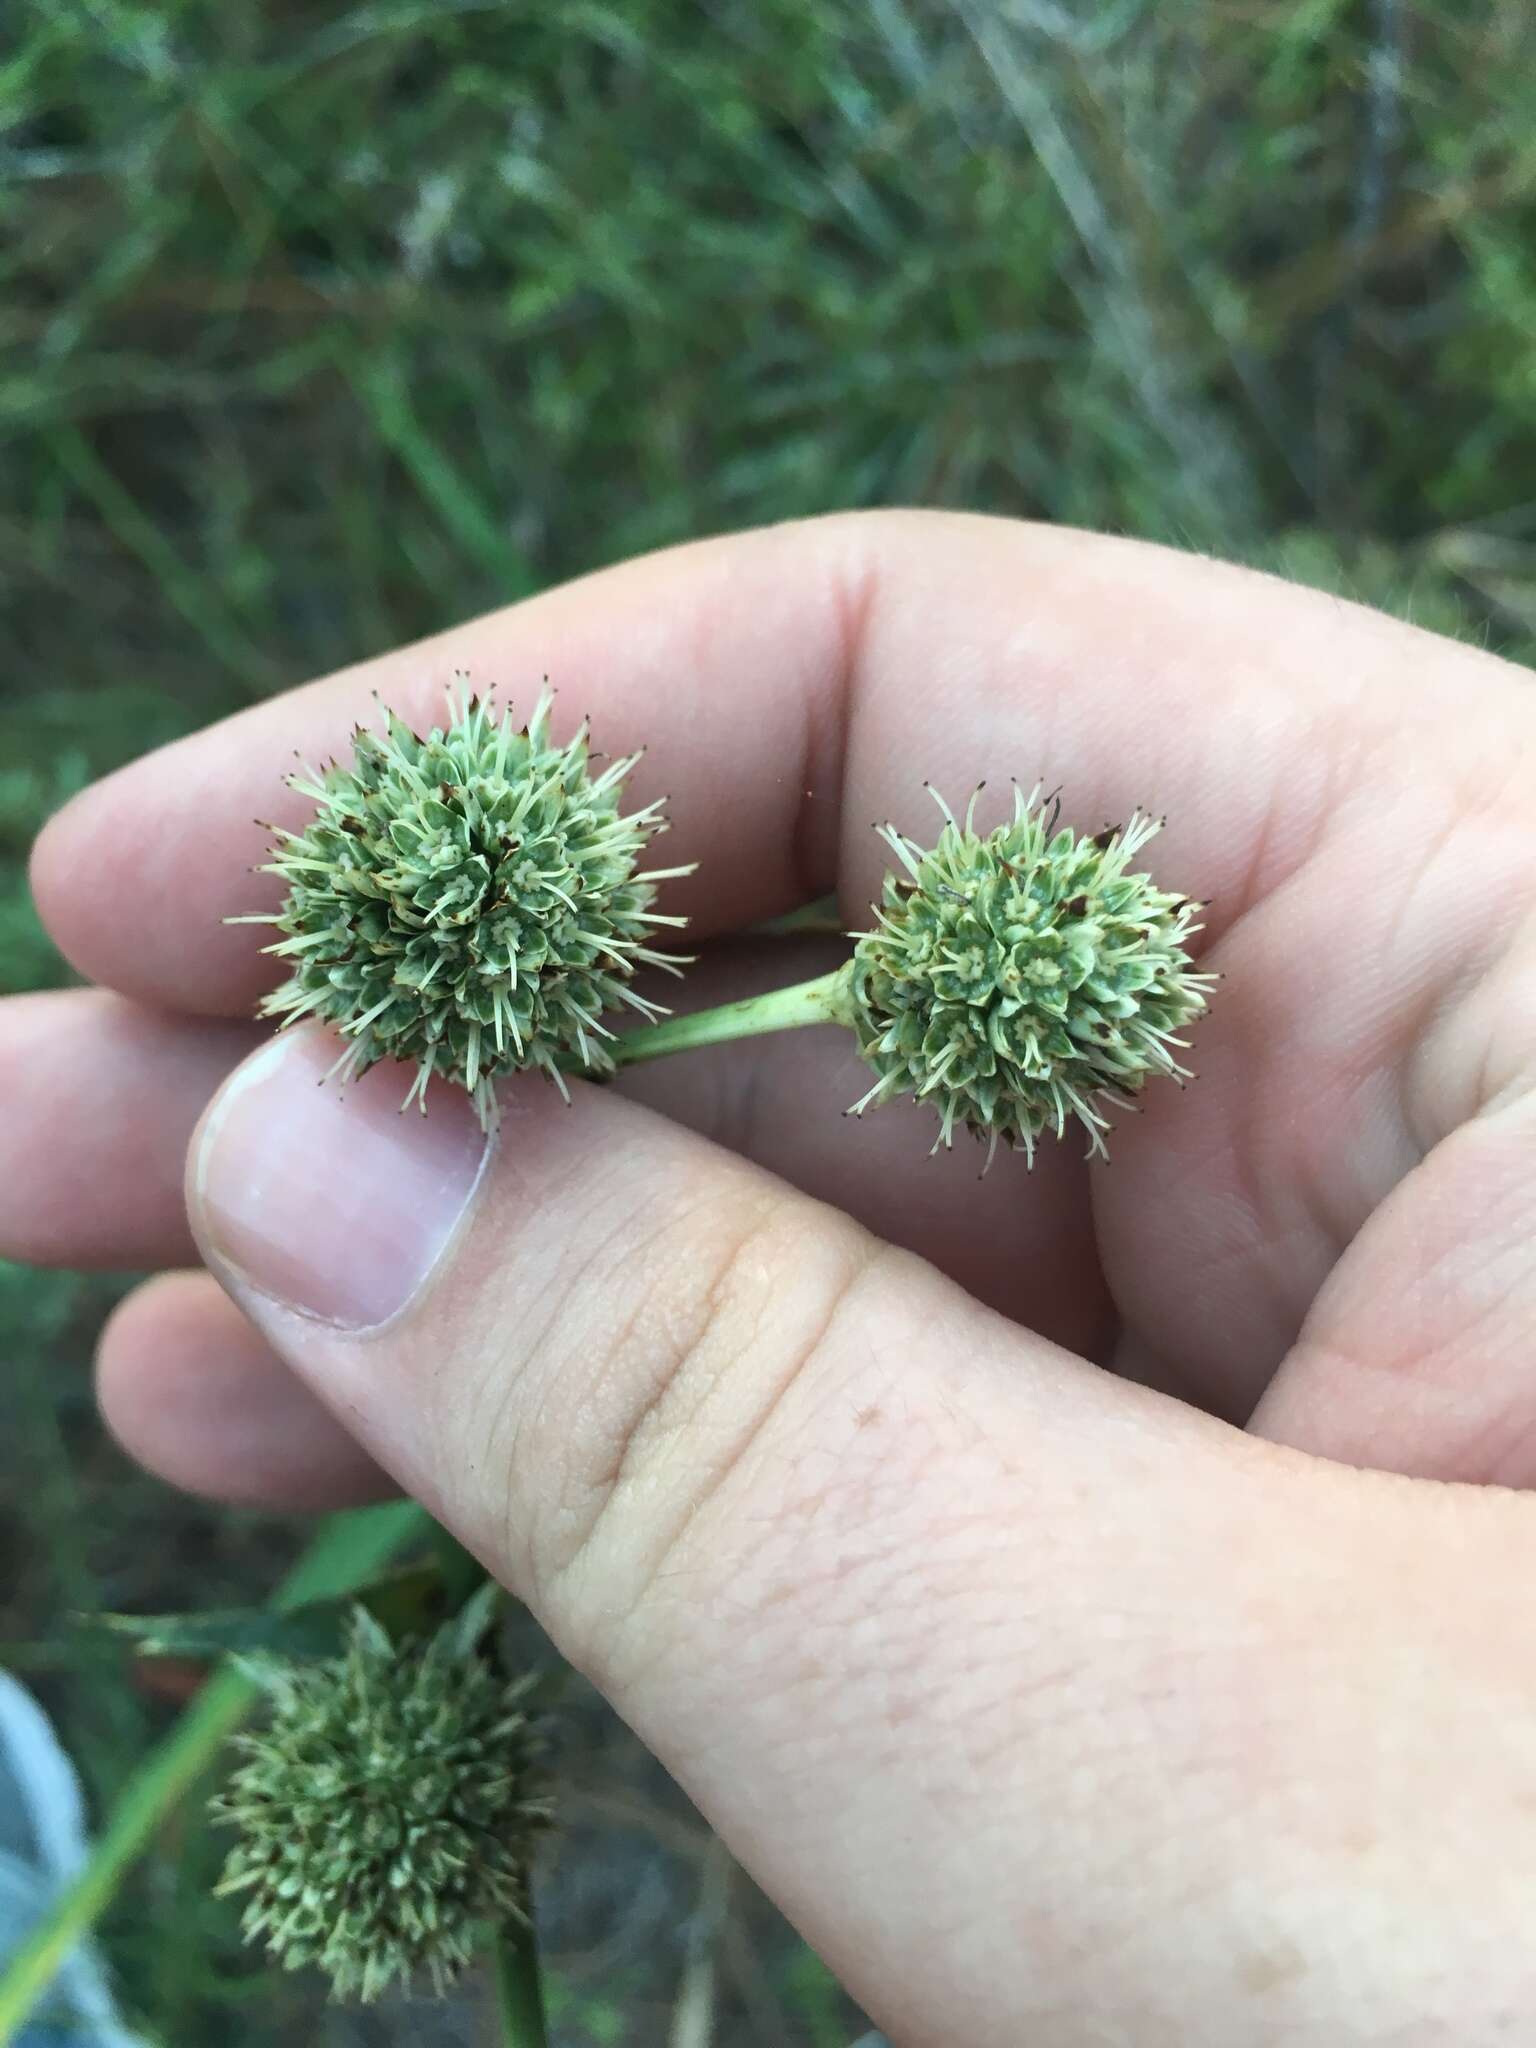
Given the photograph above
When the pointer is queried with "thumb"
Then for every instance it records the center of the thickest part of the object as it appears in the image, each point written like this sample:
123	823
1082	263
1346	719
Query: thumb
1007	1680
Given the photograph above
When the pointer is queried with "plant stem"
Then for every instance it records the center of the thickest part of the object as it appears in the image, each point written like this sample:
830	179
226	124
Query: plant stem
349	1549
781	1009
693	2016
821	916
519	1987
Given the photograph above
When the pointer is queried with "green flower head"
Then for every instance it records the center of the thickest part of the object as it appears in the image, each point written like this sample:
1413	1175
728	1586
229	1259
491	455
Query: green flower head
1020	979
385	1811
468	902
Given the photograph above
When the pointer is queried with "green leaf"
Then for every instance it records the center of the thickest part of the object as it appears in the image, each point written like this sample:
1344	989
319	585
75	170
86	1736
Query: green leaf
412	1601
243	1631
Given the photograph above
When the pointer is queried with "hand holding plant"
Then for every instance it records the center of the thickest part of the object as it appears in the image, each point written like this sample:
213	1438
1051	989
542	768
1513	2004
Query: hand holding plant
910	1515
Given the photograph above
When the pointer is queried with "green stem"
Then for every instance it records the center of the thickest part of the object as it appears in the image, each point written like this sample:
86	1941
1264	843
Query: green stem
349	1549
519	1987
781	1009
822	916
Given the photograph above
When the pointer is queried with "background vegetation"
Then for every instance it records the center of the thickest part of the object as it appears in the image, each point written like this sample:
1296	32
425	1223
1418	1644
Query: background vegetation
324	325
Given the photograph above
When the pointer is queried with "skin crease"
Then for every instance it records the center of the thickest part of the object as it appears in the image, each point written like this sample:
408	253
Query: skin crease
1051	1707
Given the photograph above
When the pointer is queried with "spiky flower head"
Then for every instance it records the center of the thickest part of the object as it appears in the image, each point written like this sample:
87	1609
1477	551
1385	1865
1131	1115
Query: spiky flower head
1023	978
468	902
386	1811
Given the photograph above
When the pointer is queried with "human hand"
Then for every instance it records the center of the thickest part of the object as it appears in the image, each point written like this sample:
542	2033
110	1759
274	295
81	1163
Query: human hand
1054	1706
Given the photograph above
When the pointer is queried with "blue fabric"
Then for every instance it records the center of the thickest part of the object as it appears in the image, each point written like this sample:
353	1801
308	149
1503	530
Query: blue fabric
43	1846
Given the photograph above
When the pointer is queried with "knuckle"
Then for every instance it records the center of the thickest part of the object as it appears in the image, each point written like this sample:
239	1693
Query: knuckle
709	1322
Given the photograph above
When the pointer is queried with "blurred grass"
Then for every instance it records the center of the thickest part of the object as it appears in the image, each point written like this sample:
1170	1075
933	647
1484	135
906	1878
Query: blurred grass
322	326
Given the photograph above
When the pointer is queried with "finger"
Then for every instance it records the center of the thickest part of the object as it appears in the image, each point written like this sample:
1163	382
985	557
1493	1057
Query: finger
1374	1020
191	1391
100	1099
1417	1353
177	1362
794	685
105	1095
1006	1680
1019	1241
658	652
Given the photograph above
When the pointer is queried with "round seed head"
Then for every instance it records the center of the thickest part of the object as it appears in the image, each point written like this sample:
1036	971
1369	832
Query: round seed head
385	1811
1019	980
468	902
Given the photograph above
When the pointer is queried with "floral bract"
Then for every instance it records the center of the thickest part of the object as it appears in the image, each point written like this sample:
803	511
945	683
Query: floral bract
385	1811
1019	980
468	902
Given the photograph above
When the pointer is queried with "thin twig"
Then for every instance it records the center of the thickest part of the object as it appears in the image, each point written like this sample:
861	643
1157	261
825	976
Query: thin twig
693	2016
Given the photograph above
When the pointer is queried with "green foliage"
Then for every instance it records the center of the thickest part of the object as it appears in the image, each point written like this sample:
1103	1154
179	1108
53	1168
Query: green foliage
386	1810
28	794
468	902
522	288
1019	980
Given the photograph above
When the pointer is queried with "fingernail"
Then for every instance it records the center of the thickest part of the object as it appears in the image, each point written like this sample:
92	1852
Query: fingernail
329	1199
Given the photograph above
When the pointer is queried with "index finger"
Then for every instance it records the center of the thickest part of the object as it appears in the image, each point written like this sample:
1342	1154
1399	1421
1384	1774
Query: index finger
792	686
